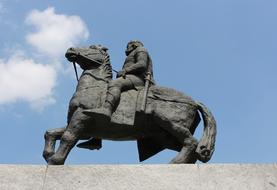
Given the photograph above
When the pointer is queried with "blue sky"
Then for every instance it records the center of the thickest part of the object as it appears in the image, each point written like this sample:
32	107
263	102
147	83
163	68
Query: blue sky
222	53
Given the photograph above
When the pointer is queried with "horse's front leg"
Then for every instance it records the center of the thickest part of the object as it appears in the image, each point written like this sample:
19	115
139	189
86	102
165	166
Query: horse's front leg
51	136
70	137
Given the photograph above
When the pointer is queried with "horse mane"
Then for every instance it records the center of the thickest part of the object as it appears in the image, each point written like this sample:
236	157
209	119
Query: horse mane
106	66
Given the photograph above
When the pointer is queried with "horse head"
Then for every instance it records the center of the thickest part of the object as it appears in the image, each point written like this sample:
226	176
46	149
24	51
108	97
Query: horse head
88	57
94	57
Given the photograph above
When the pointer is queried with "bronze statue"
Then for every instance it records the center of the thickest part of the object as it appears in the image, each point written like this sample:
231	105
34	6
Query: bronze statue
136	72
157	117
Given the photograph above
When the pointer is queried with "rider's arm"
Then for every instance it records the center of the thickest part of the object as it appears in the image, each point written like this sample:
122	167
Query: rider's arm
140	65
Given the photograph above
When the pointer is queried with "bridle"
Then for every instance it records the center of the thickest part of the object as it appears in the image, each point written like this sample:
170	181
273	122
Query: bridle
95	61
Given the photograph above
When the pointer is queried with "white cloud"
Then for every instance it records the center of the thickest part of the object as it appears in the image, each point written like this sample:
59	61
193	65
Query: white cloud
55	32
24	79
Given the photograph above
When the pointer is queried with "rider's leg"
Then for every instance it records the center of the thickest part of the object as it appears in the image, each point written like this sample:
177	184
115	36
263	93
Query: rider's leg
113	95
120	85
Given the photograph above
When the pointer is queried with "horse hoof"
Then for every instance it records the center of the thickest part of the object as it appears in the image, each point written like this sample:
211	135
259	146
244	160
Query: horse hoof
204	155
47	154
55	161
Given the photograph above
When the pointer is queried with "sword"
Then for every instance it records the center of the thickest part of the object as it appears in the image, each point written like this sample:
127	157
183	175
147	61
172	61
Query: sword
146	89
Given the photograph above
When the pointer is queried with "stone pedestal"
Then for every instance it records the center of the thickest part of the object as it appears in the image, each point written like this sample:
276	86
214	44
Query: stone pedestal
146	177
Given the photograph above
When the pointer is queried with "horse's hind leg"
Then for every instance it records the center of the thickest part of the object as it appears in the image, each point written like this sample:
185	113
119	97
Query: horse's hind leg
183	135
51	136
187	153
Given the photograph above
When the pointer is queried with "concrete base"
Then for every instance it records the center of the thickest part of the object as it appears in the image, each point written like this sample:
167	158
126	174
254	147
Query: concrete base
129	177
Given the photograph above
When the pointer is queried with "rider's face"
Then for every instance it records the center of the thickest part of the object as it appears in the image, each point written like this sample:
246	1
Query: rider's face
129	49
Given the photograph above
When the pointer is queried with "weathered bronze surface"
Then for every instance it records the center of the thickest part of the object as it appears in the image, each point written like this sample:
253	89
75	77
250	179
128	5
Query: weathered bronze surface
130	107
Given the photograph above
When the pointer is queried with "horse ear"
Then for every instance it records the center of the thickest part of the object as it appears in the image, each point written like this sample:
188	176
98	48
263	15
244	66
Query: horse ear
104	48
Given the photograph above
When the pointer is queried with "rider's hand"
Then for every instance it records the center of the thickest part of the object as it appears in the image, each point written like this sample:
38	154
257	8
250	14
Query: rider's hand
121	73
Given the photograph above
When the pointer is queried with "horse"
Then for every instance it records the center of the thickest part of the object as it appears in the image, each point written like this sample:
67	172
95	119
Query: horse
168	121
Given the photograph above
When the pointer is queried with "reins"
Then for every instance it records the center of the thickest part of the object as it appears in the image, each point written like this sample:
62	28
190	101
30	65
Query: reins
76	73
95	61
98	63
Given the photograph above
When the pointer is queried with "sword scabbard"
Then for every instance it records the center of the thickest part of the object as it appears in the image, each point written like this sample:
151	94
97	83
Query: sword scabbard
146	89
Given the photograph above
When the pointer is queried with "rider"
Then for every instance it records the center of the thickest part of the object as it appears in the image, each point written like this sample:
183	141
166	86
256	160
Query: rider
134	71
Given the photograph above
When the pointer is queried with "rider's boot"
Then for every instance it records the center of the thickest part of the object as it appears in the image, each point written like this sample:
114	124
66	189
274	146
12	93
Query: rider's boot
91	144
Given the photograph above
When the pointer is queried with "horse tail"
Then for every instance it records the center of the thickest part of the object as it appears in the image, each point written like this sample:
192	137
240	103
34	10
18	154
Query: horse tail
206	144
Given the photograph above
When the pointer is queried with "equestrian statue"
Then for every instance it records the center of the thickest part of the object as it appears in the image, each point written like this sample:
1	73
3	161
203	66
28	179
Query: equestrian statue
130	107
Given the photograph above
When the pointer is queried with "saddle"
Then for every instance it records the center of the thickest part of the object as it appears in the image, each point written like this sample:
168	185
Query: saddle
131	101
